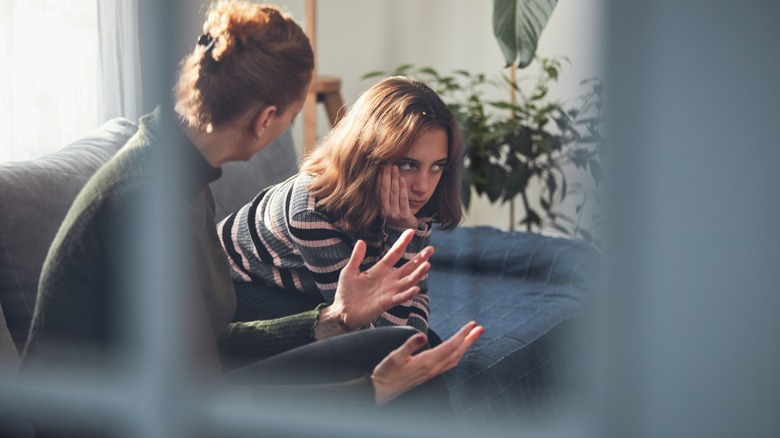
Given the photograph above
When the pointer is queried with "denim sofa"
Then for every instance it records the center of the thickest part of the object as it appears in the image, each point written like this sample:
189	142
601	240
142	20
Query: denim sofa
526	289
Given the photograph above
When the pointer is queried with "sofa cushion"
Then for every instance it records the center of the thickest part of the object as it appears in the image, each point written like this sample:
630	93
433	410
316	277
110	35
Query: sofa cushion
241	181
35	195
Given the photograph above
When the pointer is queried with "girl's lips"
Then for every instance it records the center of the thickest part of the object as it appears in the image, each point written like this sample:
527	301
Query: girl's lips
417	203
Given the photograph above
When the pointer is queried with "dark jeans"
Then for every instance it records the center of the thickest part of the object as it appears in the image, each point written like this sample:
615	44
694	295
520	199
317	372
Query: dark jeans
341	364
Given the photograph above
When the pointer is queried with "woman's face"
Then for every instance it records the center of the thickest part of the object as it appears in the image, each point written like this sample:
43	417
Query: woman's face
423	165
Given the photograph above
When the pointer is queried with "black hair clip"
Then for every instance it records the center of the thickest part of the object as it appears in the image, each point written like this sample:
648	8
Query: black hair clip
206	41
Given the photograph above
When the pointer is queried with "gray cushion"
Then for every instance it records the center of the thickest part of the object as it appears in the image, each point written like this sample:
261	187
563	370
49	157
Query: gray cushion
9	356
240	182
35	195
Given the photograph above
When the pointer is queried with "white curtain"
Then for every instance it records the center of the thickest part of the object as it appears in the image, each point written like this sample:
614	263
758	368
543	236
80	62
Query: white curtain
48	72
65	67
120	67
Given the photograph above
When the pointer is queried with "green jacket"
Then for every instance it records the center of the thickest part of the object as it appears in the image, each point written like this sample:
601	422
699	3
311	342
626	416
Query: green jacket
80	317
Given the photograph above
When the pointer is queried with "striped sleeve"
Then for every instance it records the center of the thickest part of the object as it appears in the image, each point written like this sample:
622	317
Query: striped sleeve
258	245
281	238
324	248
241	240
415	311
421	239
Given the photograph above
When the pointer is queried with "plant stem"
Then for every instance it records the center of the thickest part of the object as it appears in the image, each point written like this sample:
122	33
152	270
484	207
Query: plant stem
512	214
513	99
527	209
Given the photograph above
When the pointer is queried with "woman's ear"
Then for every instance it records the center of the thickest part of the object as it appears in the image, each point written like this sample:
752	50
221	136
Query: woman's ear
262	120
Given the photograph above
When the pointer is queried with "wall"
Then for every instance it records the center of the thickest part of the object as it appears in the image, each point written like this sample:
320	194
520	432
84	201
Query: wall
358	36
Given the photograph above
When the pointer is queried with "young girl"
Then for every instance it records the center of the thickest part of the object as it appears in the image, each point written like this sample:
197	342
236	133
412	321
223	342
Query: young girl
393	162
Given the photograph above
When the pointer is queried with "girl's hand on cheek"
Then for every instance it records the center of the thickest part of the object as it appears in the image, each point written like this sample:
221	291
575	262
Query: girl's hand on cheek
394	199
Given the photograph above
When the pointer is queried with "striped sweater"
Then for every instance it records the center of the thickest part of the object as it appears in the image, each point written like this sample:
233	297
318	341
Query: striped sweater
281	238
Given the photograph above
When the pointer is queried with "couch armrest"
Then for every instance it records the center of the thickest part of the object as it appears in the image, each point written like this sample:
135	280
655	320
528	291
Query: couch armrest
35	195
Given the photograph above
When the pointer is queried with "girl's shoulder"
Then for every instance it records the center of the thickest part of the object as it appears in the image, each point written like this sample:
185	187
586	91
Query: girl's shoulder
300	199
304	179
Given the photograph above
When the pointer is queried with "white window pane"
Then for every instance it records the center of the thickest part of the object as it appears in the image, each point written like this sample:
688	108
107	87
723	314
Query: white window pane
48	94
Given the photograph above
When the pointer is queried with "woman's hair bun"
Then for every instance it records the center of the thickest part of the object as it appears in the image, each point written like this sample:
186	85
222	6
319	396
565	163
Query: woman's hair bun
233	24
249	54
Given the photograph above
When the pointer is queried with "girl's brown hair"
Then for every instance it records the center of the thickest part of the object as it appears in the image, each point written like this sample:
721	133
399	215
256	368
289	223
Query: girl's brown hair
379	129
248	54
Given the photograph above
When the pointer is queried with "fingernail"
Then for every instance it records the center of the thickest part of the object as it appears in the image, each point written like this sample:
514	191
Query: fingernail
420	339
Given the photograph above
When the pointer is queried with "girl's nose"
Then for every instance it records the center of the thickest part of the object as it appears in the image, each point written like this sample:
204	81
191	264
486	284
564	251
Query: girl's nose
420	184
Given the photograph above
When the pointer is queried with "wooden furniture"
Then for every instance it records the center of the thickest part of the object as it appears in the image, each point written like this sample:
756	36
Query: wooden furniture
324	89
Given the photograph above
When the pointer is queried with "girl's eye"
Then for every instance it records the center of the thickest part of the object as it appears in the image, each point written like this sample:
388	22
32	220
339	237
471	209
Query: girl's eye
437	167
406	166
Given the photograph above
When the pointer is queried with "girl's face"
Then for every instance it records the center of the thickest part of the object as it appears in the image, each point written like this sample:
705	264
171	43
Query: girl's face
423	165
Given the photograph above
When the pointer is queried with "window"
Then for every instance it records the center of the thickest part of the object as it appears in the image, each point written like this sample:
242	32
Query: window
49	82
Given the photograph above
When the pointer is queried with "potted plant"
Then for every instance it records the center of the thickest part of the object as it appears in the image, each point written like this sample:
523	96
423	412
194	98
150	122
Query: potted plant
523	148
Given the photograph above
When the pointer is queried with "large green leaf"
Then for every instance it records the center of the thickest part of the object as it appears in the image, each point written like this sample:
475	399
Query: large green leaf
517	25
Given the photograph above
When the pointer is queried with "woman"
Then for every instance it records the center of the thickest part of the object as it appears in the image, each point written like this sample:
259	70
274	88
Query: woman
236	92
393	162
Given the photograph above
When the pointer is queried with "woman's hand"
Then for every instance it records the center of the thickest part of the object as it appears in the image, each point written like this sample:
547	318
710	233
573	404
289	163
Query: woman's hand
401	371
394	199
362	296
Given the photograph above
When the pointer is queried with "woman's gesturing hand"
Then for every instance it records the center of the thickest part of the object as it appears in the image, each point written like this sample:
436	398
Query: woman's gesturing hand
394	197
362	296
401	370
